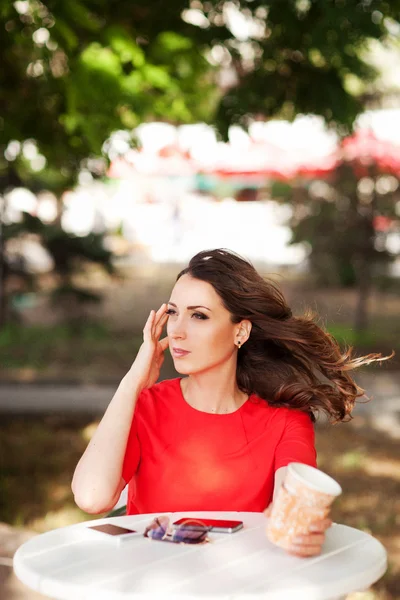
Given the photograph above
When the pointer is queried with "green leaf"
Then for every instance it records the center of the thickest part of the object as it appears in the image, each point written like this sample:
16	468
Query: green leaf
174	42
125	47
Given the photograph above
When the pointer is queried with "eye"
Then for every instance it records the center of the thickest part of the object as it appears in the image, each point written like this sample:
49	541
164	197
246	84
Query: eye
170	311
200	316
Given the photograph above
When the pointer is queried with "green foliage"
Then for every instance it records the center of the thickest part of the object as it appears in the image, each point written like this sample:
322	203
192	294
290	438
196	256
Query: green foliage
92	351
337	223
65	248
70	254
371	338
73	72
304	60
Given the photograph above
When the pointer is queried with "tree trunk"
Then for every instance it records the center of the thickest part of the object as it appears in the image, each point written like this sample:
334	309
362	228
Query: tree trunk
60	210
365	259
3	298
364	278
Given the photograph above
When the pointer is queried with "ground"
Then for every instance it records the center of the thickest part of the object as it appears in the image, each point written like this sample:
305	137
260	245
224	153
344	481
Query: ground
35	493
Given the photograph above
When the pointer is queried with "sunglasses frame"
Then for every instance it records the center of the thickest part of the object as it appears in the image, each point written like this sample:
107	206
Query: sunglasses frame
174	534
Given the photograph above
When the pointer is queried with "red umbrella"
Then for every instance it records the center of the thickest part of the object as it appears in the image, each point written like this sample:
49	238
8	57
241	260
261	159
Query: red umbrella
363	150
366	150
167	161
257	159
263	159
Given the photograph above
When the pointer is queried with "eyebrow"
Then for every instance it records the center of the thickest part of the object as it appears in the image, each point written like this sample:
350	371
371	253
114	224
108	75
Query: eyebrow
191	307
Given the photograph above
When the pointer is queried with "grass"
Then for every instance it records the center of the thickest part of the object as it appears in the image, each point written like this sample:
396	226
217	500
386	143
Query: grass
97	353
38	457
379	336
92	353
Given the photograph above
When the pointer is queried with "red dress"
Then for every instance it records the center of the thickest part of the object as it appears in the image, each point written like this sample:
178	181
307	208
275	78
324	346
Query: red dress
179	458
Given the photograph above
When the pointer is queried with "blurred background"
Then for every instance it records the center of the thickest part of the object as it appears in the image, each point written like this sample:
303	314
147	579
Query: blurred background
133	137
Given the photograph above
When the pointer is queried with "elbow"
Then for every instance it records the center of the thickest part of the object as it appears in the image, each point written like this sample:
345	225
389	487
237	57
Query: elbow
89	505
92	502
91	509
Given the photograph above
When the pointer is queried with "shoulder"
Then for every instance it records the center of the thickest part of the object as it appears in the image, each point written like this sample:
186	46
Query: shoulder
280	413
167	386
298	425
293	415
160	392
279	417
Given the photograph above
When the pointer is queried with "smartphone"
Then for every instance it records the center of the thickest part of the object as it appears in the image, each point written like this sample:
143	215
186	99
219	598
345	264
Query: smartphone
217	525
114	531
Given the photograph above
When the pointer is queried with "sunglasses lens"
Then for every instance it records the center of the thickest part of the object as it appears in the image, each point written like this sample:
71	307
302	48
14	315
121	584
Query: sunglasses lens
188	536
157	529
156	534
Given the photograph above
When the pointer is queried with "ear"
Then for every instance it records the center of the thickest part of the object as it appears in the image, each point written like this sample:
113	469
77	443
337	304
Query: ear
243	331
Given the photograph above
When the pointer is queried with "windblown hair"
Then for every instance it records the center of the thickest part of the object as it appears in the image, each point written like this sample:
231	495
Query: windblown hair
288	360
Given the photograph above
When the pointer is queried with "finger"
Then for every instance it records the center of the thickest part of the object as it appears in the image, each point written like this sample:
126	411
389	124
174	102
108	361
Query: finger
267	511
160	325
160	358
312	539
304	551
156	317
160	314
164	343
161	311
148	326
320	526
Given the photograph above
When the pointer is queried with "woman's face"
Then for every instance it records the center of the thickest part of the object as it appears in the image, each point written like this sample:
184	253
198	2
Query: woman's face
200	325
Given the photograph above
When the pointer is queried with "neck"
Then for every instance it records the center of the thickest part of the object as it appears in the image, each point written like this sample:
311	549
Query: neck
213	391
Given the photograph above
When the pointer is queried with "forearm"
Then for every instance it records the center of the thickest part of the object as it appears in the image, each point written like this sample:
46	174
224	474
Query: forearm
96	482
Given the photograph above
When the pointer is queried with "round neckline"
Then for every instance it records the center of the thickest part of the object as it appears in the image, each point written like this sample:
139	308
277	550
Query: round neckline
203	412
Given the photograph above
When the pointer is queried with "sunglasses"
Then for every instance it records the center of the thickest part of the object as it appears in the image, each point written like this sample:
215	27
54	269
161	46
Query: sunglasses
160	529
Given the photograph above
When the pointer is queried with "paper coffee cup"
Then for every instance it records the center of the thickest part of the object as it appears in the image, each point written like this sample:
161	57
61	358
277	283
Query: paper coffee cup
305	496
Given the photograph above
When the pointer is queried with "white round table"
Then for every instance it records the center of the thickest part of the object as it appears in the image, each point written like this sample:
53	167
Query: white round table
73	563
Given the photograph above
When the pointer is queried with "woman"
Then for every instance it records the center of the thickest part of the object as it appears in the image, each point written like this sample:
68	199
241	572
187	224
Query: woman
220	437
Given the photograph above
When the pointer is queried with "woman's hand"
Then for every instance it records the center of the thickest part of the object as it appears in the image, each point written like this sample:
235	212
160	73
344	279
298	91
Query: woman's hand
308	544
146	368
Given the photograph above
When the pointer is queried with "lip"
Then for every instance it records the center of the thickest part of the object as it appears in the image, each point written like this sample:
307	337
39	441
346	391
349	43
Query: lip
179	352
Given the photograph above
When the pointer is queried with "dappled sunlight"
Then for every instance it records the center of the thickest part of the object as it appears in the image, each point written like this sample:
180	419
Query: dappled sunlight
365	462
360	460
42	453
383	467
359	502
392	545
350	460
59	518
88	431
59	492
368	595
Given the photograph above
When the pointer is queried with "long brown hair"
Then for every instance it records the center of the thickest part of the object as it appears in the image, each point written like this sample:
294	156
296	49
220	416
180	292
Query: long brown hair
287	360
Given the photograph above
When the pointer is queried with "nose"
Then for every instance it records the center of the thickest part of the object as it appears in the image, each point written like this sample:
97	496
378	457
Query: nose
176	329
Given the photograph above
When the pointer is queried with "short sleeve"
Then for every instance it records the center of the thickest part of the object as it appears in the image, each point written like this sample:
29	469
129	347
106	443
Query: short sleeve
132	453
297	443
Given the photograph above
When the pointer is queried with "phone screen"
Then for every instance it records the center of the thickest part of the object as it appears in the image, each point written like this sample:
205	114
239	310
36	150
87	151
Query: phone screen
112	529
217	525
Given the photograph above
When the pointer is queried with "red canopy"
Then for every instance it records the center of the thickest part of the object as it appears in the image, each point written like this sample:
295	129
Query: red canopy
363	149
366	150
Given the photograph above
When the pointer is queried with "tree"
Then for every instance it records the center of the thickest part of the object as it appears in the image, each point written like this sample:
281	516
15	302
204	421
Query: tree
307	56
345	222
74	72
70	254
